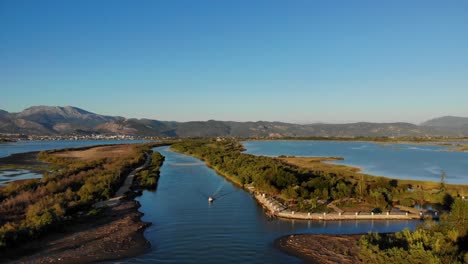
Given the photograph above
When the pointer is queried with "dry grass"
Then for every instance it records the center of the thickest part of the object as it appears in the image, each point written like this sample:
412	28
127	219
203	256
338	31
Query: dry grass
463	148
316	164
117	151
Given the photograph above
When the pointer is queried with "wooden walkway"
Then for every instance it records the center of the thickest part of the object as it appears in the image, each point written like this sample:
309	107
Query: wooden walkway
277	209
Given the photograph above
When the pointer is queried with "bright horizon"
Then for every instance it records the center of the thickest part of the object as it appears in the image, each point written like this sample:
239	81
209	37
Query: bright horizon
296	62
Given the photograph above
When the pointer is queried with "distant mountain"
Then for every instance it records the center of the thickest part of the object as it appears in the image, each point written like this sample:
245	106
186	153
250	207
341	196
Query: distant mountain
447	121
50	120
68	120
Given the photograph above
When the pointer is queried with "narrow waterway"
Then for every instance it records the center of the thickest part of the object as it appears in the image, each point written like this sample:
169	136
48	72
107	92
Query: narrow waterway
233	229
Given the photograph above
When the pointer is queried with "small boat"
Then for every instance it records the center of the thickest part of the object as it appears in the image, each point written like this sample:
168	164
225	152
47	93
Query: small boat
210	199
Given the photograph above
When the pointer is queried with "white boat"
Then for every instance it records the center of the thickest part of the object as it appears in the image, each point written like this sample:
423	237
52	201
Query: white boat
210	199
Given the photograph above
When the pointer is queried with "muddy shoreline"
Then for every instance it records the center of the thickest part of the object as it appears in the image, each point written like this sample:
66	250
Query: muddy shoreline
26	160
115	233
326	249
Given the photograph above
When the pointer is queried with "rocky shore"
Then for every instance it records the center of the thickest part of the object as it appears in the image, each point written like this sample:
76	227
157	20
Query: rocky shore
322	249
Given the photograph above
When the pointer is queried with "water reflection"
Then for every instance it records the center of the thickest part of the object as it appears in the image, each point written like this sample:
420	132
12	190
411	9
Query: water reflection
7	176
413	162
188	229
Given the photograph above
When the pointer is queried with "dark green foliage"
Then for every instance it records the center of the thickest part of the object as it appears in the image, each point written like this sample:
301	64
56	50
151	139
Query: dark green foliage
148	178
300	187
430	243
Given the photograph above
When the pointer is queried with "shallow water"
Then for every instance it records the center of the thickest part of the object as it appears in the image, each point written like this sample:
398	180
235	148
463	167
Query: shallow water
10	148
233	229
400	161
14	175
6	149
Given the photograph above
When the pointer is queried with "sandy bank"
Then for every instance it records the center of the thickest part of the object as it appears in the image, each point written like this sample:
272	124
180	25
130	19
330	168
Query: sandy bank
326	249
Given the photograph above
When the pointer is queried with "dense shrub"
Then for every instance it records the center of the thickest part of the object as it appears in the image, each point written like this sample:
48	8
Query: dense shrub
272	176
430	243
29	209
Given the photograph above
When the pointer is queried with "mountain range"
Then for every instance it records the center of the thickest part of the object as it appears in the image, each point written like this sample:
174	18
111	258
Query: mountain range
68	120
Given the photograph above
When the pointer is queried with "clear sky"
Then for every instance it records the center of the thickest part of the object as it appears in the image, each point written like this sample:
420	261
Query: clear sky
296	61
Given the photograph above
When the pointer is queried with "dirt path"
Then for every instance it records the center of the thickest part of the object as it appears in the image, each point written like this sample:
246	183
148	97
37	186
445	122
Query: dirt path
125	186
113	234
129	180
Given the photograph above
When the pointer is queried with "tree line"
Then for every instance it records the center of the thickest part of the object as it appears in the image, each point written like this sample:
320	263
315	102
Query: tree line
303	189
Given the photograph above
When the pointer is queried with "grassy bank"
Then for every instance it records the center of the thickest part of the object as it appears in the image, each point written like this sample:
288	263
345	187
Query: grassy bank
148	178
76	179
417	192
308	184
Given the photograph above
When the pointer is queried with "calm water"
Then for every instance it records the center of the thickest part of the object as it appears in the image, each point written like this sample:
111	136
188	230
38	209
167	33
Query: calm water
7	149
401	161
7	176
233	229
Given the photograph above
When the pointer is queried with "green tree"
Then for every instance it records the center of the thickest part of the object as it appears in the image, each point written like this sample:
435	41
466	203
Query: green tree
443	181
458	216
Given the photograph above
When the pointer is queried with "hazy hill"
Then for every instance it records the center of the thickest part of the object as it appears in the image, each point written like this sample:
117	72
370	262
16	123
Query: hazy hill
47	120
447	121
54	120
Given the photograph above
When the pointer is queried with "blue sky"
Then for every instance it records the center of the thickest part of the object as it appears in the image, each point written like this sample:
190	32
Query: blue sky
296	61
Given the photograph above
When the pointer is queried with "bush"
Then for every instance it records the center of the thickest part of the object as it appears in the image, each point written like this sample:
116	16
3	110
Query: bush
28	210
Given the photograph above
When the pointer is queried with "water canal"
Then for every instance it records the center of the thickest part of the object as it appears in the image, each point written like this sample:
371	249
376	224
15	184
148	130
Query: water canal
234	229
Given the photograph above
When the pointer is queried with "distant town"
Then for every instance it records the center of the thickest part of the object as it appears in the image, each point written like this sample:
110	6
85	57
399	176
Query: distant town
17	137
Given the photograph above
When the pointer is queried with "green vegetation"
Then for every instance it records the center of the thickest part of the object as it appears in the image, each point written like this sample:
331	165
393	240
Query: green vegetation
148	178
306	188
446	242
299	187
404	192
70	188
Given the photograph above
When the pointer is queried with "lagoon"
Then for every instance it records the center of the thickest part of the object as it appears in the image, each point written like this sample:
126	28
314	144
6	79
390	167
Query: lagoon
400	161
